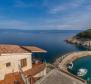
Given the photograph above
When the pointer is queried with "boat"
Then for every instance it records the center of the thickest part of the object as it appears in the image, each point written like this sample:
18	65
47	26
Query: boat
82	72
70	65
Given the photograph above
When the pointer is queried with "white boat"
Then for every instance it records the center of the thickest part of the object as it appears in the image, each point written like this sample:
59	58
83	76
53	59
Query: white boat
82	72
70	65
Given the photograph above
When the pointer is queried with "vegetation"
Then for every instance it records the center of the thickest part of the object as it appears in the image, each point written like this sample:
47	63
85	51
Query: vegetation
85	34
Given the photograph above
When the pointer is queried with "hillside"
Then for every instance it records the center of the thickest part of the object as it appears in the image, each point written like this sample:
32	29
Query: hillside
82	38
85	34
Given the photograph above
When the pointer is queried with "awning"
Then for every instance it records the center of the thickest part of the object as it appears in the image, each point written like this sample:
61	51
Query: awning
35	49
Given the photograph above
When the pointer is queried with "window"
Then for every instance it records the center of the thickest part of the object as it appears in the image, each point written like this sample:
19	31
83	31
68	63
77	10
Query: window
8	64
23	62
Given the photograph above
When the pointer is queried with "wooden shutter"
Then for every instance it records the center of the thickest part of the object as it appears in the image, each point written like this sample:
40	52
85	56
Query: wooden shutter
23	62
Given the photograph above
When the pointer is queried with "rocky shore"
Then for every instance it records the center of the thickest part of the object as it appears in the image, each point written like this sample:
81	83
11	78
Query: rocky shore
82	38
79	41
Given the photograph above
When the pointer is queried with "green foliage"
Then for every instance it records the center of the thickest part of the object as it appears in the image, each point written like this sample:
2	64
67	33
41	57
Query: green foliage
85	34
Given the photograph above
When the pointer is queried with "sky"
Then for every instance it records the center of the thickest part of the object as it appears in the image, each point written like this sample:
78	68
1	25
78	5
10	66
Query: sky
45	14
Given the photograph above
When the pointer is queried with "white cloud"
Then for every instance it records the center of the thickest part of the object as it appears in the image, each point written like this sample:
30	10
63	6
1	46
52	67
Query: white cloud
7	23
76	20
66	6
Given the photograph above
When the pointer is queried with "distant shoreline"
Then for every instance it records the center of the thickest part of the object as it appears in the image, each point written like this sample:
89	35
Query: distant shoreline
5	29
79	41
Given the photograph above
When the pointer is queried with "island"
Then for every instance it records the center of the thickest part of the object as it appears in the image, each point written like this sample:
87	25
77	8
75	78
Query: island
82	38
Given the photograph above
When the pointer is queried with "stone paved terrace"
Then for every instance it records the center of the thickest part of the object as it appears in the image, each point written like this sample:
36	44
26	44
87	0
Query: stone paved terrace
57	77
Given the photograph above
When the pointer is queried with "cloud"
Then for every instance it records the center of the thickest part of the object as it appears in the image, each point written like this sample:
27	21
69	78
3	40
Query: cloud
80	19
7	23
76	20
66	6
77	16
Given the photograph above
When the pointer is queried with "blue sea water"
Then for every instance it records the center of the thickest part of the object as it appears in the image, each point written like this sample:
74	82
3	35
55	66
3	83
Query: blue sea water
50	40
84	63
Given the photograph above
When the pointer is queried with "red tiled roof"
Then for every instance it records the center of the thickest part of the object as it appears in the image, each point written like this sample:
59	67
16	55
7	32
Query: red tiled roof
19	49
10	78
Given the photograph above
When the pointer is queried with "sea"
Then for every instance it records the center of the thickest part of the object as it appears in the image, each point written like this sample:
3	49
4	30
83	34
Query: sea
53	41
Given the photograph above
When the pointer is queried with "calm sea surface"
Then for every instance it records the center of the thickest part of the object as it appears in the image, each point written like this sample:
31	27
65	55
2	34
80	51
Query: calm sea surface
52	41
84	63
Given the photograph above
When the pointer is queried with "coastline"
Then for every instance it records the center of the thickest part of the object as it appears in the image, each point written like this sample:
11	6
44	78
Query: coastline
79	41
61	62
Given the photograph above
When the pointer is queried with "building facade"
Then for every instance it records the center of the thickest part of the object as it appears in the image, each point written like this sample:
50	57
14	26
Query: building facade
15	59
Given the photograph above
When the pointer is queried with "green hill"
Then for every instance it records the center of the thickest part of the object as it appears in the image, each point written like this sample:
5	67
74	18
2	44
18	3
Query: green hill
85	34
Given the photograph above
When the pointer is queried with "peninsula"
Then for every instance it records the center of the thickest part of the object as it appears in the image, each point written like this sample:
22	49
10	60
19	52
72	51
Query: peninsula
82	38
